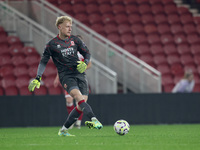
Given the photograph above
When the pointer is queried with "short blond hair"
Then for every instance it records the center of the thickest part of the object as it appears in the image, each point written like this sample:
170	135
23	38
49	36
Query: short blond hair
62	19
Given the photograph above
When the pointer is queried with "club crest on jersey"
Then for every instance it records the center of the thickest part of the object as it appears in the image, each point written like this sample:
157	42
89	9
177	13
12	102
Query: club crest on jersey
72	43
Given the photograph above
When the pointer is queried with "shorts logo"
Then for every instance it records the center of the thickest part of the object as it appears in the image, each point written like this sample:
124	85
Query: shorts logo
72	43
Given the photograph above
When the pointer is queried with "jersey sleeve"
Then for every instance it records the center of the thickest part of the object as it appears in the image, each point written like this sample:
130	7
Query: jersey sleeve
44	60
84	51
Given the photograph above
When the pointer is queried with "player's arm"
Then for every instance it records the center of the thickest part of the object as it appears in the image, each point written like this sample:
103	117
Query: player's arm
89	65
41	67
56	81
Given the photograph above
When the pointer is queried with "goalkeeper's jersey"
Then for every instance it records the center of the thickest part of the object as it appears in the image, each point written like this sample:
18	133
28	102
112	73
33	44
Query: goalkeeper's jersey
64	55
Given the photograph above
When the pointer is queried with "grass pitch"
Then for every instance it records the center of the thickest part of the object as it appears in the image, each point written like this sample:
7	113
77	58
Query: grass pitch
140	137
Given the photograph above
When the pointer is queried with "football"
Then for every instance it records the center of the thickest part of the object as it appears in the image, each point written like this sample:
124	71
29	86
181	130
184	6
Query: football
121	127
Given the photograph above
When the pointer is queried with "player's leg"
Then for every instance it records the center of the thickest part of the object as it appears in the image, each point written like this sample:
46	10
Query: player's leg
69	102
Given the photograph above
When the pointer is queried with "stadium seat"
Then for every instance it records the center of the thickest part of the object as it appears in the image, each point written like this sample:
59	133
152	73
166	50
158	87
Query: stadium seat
32	59
183	48
105	8
108	18
22	81
110	28
143	49
131	9
157	49
135	18
21	70
160	18
89	2
154	38
18	59
196	88
67	8
176	28
167	79
173	59
121	18
92	8
167	38
115	38
55	91
127	38
140	38
192	67
177	69
170	8
103	1
118	8
14	40
32	70
180	38
140	2
189	28
177	78
197	59
193	38
144	8
150	28
147	18
153	2
164	69
157	9
128	2
196	20
163	28
187	59
195	49
79	8
4	49
28	50
5	59
15	50
1	91
168	88
99	28
183	10
3	39
173	18
49	81
83	17
116	2
170	49
41	91
93	18
131	48
6	70
8	81
24	91
124	28
186	18
148	58
160	59
165	2
50	70
11	91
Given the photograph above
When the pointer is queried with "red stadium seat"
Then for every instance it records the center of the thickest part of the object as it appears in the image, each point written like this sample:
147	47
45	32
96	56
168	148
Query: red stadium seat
127	38
170	49
67	8
167	38
14	40
150	28
99	28
165	2
32	59
89	1
196	88
28	50
170	8
153	2
108	18
195	49
167	79
160	59
41	91
144	8
140	38
168	88
24	91
177	78
160	18
180	38
50	70
105	8
49	81
148	18
116	2
191	67
11	91
148	58
79	8
189	28
93	18
15	50
21	70
177	69
115	38
131	48
154	38
176	28
5	59
183	10
128	2
92	8
103	1
143	49
110	28
3	39
22	81
32	70
187	59
121	18
157	49
163	28
173	59
173	18
183	48
1	91
124	28
135	18
131	9
83	17
164	69
157	8
197	59
186	18
18	59
118	8
6	70
8	81
55	91
140	2
196	19
193	38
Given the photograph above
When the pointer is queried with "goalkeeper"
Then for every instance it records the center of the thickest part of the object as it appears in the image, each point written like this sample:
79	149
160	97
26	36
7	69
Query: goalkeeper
63	51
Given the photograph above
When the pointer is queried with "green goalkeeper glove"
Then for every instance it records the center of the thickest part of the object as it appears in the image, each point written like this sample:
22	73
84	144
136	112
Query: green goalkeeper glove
34	83
81	67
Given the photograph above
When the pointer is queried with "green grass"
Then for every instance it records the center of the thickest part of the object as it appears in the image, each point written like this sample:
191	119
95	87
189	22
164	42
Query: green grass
140	137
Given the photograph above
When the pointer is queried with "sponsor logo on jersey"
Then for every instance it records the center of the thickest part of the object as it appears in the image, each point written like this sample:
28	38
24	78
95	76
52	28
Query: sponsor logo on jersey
67	51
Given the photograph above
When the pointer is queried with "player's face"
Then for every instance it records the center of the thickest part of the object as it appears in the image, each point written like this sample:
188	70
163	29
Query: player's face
65	29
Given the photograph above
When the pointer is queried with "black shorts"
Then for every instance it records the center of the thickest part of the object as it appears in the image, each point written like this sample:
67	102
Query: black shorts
75	81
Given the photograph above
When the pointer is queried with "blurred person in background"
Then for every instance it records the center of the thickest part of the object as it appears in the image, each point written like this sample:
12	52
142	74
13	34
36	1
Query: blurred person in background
186	84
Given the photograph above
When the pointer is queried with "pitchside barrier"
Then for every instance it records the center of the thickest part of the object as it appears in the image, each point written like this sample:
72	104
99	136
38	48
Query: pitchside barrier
23	111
